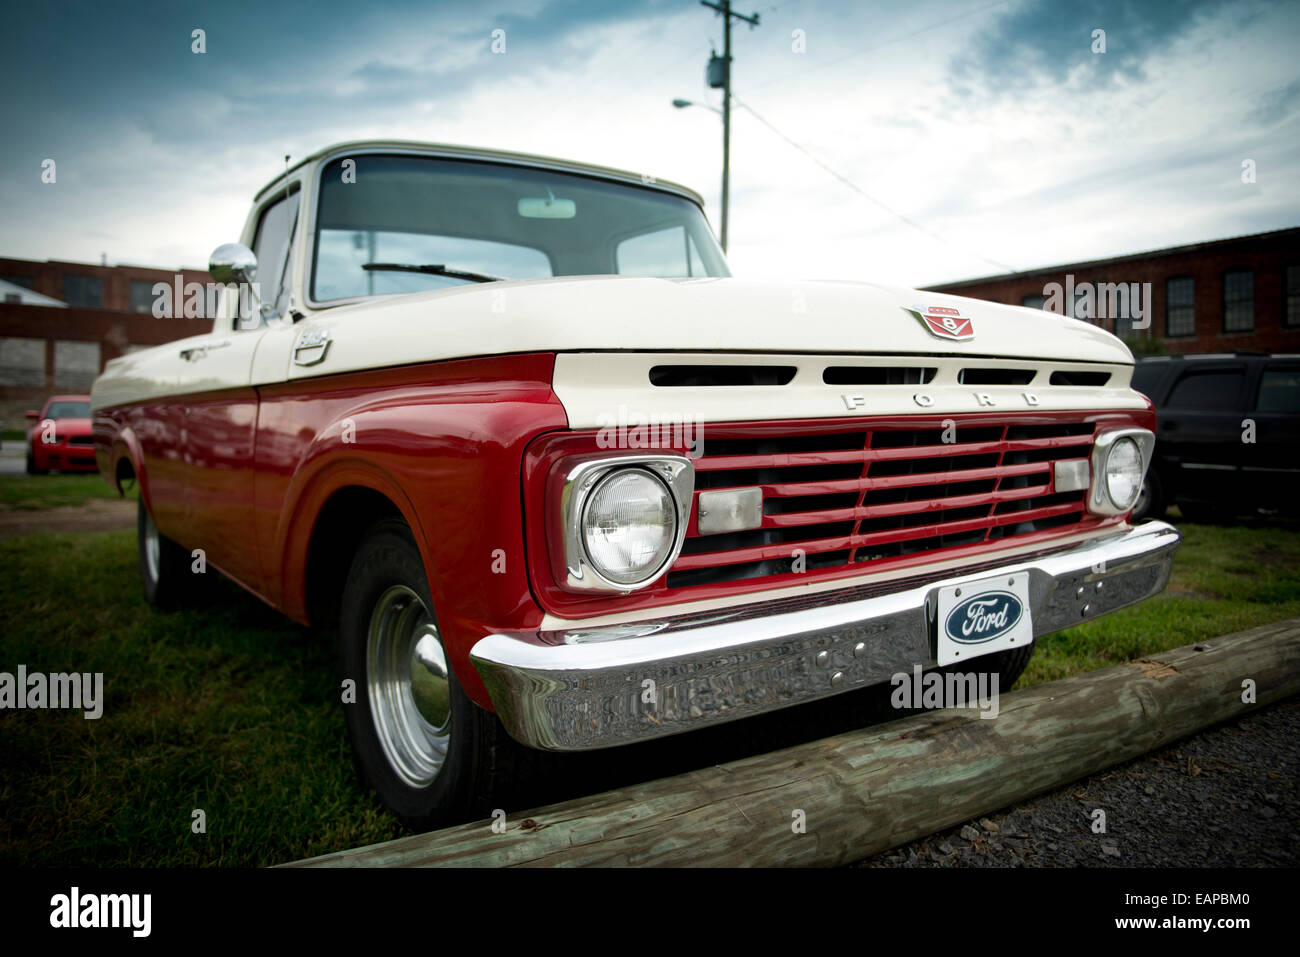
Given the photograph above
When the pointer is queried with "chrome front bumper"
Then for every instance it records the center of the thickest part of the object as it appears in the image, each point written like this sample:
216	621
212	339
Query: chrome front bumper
579	689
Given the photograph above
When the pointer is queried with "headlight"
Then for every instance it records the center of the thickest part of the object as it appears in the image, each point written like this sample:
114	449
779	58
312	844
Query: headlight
1118	463
622	520
629	526
1124	473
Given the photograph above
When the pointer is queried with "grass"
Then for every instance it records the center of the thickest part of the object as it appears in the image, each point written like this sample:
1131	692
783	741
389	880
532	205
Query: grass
50	491
229	708
13	435
235	710
1225	579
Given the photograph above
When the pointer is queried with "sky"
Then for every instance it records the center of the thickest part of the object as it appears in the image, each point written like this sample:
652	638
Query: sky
966	137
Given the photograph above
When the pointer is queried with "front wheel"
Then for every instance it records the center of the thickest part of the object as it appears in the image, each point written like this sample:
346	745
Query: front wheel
31	466
1009	665
431	755
1151	499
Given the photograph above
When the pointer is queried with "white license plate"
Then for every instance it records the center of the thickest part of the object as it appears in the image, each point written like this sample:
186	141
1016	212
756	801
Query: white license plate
981	617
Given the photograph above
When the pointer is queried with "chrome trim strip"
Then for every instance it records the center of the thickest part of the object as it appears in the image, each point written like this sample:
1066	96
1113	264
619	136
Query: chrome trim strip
581	689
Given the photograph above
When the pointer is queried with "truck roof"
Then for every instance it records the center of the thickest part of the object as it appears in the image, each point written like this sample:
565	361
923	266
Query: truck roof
485	153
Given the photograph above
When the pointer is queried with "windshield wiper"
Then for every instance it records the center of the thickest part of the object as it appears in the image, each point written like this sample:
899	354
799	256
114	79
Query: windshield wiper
434	269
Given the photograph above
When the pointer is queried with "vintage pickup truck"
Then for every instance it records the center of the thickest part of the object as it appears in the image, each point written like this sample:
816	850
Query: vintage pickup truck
618	494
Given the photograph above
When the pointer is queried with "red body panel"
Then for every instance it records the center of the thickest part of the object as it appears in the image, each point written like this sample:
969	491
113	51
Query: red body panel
245	474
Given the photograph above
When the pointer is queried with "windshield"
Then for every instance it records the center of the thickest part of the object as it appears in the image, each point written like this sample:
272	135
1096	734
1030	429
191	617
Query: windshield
68	410
424	223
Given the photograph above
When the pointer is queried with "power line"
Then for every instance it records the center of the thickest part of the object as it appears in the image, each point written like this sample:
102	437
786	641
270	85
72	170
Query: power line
864	194
872	49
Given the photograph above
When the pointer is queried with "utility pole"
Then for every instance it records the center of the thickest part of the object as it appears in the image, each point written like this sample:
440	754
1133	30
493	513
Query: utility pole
724	8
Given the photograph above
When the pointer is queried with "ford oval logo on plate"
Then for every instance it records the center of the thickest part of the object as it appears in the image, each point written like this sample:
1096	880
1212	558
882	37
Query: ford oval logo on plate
982	617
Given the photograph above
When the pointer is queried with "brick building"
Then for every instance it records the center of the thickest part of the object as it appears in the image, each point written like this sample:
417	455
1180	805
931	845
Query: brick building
1223	296
109	312
86	286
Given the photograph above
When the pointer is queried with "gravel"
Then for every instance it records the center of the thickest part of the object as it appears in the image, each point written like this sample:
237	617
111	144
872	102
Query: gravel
1226	797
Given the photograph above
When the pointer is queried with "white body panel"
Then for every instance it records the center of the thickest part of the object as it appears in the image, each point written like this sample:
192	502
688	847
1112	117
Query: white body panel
698	320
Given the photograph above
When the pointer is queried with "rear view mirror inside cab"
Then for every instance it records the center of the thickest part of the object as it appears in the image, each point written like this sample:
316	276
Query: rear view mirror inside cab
548	208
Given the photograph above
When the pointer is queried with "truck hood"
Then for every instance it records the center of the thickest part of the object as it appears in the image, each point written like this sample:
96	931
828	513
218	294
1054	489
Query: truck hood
620	313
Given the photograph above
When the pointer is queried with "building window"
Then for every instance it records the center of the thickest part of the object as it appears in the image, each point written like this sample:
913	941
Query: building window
1292	317
1239	300
1033	302
27	282
1180	307
84	291
142	295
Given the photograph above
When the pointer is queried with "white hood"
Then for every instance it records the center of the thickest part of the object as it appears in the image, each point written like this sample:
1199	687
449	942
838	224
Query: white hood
615	313
610	330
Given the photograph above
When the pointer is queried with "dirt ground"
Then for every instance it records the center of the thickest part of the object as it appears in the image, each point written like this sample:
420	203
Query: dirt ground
96	515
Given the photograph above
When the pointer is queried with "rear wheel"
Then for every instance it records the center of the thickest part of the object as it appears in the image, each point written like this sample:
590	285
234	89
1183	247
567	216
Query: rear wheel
431	755
165	570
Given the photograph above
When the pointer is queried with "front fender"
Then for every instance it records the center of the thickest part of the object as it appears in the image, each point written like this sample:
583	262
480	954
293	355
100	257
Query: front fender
444	443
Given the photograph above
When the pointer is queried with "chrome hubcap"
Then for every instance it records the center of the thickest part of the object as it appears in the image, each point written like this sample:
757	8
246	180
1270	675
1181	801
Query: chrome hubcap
152	547
410	694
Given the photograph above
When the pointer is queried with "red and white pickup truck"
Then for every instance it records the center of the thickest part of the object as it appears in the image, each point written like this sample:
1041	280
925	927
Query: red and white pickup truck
618	494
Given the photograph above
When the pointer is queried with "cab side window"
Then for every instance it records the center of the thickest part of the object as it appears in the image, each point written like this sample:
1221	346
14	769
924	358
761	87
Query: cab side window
273	246
664	253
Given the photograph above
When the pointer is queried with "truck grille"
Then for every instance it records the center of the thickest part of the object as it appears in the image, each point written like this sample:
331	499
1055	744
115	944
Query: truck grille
835	496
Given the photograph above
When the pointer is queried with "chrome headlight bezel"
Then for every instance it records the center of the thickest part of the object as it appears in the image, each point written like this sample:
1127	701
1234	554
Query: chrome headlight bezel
1099	499
580	573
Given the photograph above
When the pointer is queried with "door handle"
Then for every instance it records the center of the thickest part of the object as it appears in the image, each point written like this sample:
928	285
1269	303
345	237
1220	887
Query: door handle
195	353
311	347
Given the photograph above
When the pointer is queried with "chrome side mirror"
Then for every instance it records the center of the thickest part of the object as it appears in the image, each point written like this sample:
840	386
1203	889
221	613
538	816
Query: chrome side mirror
233	262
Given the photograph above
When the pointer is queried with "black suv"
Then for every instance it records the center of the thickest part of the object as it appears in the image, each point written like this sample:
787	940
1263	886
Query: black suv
1228	441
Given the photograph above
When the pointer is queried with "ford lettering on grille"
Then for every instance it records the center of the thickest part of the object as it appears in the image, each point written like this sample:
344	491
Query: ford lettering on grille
984	617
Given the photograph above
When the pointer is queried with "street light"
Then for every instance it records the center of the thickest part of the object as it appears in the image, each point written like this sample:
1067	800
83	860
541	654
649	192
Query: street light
681	105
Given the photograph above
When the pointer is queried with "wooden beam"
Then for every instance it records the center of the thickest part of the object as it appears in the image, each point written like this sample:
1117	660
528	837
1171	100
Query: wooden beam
867	791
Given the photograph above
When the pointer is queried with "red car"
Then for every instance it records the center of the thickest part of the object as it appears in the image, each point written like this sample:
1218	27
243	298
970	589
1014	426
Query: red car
59	436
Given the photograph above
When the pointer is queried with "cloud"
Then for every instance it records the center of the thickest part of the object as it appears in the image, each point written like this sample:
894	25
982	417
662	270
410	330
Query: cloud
1046	42
993	125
